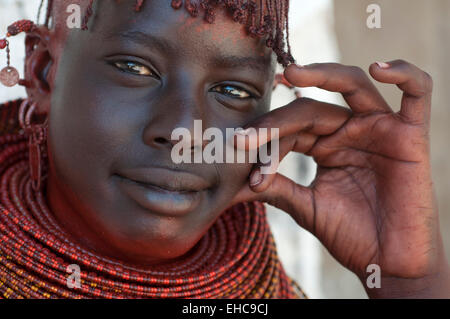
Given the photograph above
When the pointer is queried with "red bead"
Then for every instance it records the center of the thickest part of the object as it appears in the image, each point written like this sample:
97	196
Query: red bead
21	26
176	4
3	43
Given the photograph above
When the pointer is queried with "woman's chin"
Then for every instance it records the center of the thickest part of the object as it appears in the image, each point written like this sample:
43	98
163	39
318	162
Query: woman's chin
149	248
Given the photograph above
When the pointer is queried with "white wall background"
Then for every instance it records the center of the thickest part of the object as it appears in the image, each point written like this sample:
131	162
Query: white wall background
313	40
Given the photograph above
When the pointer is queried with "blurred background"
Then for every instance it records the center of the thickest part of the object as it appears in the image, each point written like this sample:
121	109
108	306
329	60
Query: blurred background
336	31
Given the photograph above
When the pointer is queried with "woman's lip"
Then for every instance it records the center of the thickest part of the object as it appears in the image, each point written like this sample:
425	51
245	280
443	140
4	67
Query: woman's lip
160	200
162	188
166	179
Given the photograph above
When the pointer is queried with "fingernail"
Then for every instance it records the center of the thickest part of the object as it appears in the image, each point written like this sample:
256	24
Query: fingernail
242	136
383	65
241	131
299	66
256	178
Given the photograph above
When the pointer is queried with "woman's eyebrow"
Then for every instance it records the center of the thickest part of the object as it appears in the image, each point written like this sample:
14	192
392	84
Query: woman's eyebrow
257	63
144	39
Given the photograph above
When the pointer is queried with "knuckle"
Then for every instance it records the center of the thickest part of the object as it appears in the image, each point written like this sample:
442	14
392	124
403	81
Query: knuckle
405	66
424	84
402	62
427	81
421	80
352	131
315	65
306	100
357	71
303	102
358	74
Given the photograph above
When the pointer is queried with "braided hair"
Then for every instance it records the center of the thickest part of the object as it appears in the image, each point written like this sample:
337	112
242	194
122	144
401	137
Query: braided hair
263	18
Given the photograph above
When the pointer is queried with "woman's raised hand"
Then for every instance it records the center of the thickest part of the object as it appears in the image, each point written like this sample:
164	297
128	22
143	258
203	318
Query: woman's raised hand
372	201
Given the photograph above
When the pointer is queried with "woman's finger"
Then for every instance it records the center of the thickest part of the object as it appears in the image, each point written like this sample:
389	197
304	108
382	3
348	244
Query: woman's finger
416	84
285	194
301	142
301	115
352	82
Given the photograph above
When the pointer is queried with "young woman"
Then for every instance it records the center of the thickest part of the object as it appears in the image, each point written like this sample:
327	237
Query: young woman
87	177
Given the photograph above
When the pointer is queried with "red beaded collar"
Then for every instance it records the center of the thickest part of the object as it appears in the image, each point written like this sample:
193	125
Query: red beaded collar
236	258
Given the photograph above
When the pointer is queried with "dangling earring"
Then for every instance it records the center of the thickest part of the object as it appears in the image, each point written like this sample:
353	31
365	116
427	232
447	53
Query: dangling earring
9	76
37	135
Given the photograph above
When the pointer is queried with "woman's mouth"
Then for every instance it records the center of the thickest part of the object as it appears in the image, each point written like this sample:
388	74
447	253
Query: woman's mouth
163	191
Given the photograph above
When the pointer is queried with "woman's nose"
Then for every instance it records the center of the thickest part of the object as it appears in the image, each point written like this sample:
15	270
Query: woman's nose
166	119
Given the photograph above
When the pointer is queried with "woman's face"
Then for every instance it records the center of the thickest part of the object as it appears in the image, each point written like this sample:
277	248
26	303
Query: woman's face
121	88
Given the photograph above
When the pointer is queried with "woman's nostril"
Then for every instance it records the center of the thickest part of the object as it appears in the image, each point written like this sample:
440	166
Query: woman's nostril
161	140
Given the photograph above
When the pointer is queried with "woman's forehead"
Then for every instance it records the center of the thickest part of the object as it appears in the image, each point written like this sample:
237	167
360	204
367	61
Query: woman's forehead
159	19
174	33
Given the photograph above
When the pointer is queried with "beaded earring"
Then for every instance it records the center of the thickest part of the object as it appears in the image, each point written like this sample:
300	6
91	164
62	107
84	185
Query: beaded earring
37	135
9	76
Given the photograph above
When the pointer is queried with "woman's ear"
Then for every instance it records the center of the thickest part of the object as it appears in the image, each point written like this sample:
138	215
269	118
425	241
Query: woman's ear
38	63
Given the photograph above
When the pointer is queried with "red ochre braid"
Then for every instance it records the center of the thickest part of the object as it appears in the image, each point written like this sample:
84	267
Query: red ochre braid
236	258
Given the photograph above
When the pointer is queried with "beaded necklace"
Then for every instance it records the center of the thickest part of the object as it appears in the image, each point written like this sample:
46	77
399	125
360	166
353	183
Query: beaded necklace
235	259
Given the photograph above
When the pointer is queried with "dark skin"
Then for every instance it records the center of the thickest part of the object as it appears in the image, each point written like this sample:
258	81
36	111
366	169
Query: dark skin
371	202
129	82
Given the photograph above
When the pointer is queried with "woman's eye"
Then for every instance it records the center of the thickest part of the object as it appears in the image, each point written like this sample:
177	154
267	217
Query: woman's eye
133	67
232	91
